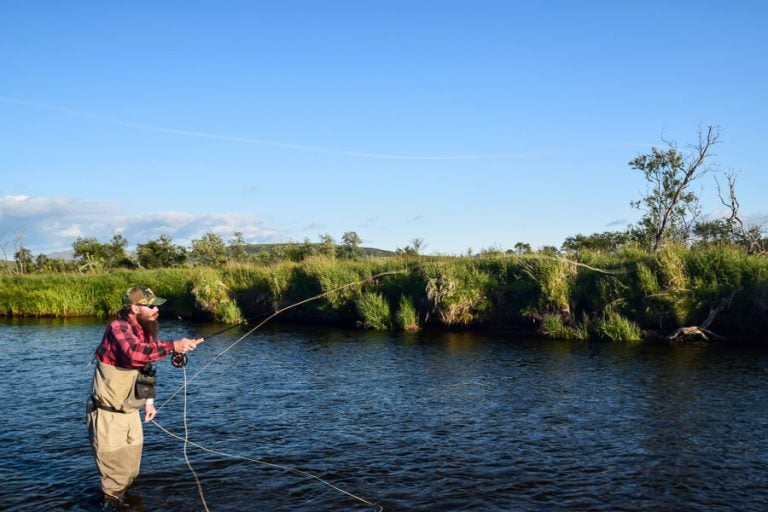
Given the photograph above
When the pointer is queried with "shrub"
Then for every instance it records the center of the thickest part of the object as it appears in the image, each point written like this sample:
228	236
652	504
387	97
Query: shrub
553	326
554	276
212	296
457	293
374	311
614	327
406	317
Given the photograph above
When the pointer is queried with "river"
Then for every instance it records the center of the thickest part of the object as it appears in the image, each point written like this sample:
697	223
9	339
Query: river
434	421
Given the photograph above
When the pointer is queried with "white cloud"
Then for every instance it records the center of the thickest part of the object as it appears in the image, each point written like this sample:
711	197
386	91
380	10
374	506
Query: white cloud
72	231
46	224
756	219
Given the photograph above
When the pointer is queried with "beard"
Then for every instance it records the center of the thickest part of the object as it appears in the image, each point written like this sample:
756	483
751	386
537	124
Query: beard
150	327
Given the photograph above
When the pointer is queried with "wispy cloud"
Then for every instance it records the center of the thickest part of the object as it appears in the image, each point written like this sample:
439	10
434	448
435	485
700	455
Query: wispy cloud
749	219
45	224
260	142
369	223
314	226
756	219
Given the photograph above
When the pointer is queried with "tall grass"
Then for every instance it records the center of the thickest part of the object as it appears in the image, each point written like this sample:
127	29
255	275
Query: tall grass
457	292
553	326
614	327
213	296
374	311
554	278
406	317
613	295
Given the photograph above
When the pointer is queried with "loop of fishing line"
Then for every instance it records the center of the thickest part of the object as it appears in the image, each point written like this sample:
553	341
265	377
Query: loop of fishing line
183	388
185	438
186	444
273	315
289	469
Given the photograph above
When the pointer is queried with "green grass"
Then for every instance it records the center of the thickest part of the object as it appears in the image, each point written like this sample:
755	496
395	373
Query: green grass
614	327
406	317
374	311
671	288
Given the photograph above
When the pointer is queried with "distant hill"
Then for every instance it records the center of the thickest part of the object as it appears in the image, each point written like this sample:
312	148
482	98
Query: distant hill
372	251
369	251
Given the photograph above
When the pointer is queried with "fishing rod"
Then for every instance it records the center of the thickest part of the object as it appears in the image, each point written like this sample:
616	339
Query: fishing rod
185	439
184	386
276	313
180	360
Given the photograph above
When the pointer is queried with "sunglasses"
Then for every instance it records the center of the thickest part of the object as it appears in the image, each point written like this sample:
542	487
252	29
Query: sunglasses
146	306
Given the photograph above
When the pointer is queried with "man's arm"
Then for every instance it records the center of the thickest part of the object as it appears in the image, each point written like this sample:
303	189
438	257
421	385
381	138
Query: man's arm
133	351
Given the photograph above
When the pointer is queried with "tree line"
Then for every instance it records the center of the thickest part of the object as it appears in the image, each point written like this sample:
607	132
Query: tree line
91	255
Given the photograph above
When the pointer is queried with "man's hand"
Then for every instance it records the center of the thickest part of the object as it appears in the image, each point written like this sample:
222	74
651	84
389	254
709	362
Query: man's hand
149	412
186	345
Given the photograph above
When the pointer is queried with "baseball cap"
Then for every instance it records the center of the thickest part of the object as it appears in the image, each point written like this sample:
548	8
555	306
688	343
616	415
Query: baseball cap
141	295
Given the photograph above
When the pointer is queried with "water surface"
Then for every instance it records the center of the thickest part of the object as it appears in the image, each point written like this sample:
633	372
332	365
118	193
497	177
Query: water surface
426	422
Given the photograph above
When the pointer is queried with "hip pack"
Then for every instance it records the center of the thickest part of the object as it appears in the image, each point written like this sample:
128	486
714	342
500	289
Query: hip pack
145	382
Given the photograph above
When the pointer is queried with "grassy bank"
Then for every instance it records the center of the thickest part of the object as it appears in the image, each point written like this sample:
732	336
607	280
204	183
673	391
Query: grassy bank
589	295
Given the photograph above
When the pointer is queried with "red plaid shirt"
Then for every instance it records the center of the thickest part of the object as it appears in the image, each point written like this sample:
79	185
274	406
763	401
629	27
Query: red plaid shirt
125	346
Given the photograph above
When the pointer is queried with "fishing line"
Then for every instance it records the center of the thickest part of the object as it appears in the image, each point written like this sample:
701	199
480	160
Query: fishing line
186	443
324	294
265	463
279	311
185	439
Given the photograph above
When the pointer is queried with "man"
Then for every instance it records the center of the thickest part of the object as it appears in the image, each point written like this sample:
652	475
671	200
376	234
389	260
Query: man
128	348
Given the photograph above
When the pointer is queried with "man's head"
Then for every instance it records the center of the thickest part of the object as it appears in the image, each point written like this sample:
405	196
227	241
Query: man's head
142	302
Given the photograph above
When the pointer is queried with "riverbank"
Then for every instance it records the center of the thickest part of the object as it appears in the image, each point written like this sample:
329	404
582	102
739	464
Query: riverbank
623	296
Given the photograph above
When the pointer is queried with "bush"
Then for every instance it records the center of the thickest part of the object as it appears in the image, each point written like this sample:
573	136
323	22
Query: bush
458	292
374	311
406	317
614	327
553	326
212	296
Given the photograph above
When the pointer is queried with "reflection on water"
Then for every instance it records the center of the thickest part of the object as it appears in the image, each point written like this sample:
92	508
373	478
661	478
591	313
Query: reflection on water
425	421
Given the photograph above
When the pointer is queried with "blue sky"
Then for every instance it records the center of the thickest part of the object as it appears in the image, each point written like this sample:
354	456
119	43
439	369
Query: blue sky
471	124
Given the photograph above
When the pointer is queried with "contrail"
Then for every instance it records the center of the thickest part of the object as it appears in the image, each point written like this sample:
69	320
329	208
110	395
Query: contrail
260	142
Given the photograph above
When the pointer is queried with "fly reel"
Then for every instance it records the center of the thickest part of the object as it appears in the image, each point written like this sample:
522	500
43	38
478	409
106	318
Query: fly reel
178	359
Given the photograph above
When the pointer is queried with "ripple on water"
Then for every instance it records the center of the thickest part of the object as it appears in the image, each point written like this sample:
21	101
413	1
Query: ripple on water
430	423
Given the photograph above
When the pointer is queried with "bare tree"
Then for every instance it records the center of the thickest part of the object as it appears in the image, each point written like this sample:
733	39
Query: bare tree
750	237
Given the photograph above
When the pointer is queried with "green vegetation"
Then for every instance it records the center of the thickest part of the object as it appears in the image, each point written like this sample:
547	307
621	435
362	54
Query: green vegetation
406	317
614	327
667	271
616	297
374	311
553	326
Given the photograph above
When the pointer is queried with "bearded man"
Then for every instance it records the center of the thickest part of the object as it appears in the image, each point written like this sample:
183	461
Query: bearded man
125	355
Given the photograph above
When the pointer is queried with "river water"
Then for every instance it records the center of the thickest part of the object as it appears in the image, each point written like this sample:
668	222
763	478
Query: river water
422	422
